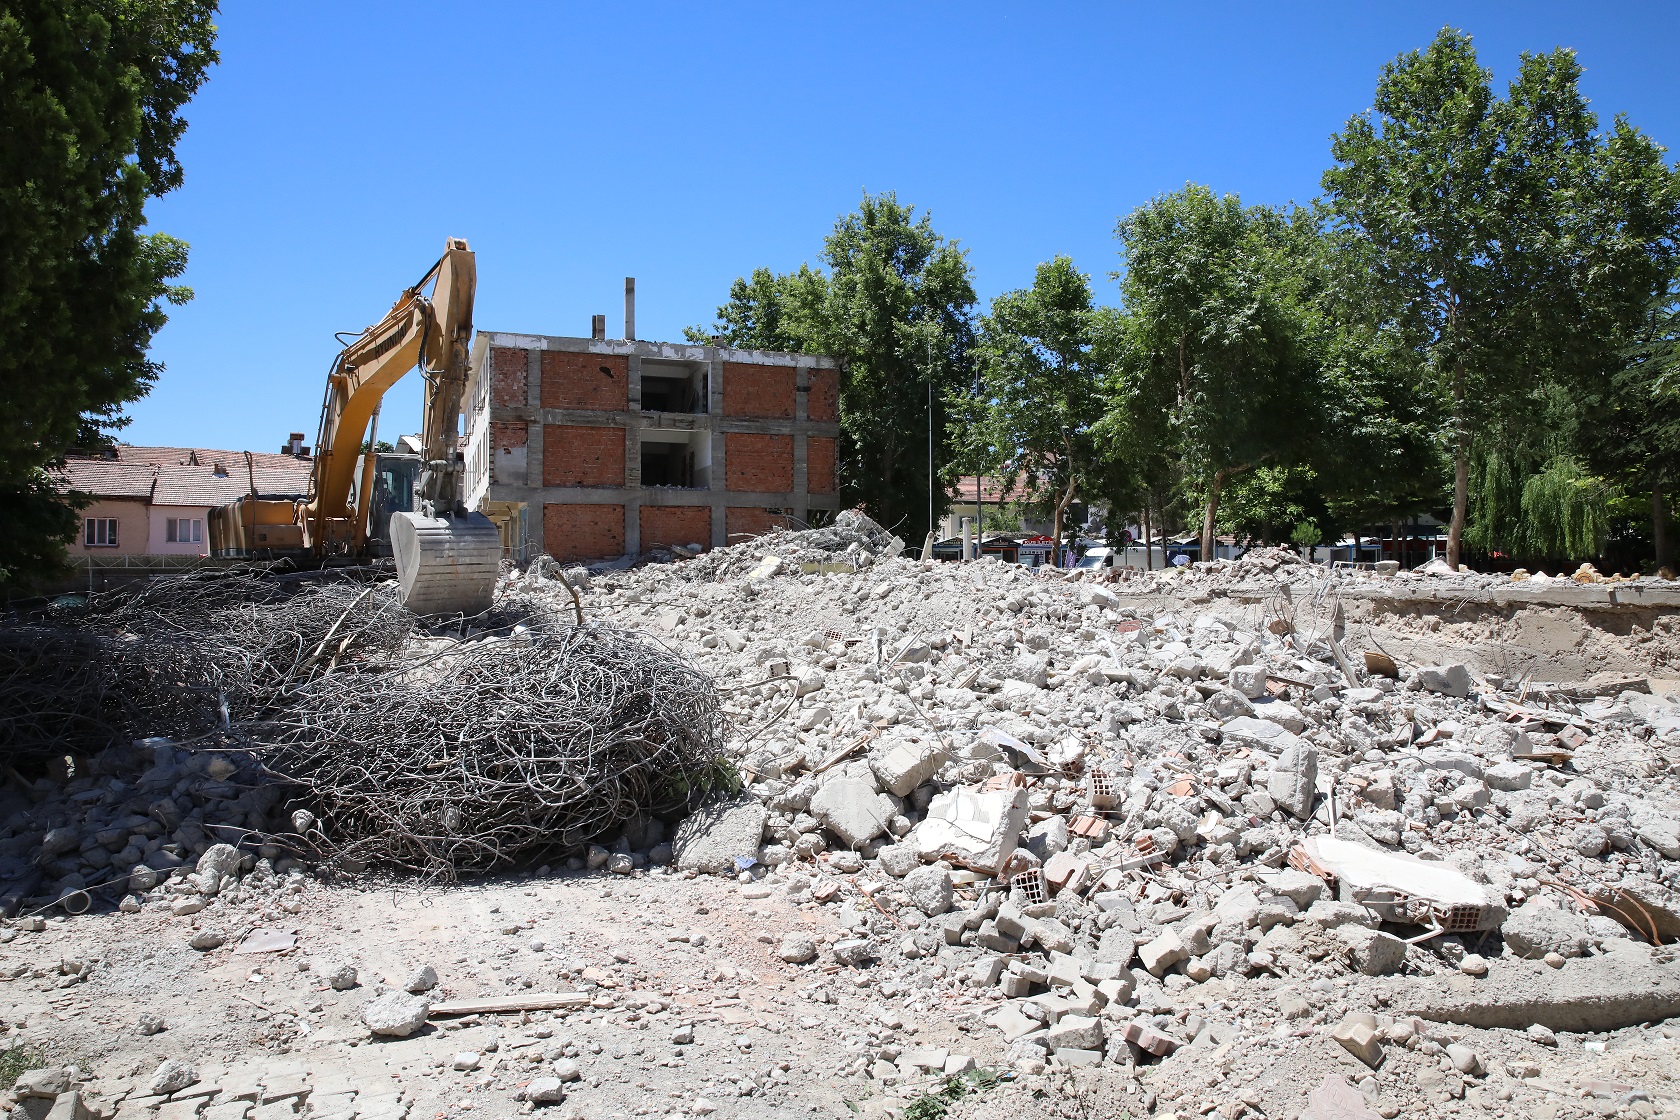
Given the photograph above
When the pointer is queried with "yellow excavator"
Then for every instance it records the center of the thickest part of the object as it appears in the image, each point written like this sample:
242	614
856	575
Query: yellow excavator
447	557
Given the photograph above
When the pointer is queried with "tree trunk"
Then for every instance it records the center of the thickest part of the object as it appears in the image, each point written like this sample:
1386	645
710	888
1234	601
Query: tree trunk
1461	470
1212	511
1394	538
1659	525
1056	522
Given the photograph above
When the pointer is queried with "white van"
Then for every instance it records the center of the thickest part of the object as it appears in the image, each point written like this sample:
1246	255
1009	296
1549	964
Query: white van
1099	557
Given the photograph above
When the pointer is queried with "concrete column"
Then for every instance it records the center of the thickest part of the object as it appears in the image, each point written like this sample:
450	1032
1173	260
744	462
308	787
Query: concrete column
801	449
534	429
629	307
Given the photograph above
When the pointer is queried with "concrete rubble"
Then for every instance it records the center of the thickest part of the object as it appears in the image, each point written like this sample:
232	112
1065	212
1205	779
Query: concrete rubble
1169	829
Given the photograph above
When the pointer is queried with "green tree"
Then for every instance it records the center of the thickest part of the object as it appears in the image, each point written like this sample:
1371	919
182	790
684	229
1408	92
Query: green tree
896	311
1630	418
769	311
92	91
1506	239
1221	298
1043	377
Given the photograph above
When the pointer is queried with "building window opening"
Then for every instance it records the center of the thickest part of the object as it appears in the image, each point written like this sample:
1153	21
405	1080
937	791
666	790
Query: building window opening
101	532
667	464
183	530
674	387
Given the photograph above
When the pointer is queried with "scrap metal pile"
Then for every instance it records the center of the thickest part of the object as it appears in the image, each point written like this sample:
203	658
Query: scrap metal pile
212	707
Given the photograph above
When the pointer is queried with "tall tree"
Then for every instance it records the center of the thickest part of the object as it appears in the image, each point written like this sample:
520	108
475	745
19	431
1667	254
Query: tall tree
770	311
1221	300
899	318
896	310
92	91
1506	237
1043	379
1630	418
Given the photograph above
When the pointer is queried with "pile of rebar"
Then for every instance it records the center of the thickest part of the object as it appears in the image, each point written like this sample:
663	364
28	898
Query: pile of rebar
520	737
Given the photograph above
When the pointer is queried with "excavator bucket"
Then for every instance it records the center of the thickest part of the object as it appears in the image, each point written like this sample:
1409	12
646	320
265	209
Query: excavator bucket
445	565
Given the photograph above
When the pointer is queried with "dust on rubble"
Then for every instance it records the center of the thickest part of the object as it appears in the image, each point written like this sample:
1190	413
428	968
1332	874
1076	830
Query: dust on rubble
1006	843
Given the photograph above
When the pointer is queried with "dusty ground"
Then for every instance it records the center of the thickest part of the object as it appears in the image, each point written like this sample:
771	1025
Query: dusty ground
658	953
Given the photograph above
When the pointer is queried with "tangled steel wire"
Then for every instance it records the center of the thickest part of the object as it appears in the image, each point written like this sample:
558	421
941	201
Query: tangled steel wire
422	752
500	748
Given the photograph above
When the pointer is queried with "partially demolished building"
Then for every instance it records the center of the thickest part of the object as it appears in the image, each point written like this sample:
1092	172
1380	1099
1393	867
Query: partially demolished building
591	448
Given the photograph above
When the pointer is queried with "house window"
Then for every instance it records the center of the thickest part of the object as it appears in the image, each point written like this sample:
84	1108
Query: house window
101	532
183	530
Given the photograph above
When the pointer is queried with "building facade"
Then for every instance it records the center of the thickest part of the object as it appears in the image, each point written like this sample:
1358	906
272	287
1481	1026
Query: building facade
594	448
146	502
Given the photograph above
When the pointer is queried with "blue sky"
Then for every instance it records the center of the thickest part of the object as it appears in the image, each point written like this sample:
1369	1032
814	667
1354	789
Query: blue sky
337	145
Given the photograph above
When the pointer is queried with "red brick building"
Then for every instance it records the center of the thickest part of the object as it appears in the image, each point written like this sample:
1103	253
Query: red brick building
591	448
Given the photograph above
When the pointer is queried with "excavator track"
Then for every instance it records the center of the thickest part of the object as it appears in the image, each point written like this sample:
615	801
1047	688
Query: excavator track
446	565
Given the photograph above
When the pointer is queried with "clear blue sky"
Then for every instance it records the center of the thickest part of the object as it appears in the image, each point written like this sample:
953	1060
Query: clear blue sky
337	145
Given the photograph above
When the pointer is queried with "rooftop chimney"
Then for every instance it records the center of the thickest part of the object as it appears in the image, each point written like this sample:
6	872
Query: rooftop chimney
629	307
598	327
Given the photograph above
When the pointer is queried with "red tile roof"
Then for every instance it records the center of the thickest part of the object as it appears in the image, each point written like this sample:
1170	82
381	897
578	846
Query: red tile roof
169	476
107	478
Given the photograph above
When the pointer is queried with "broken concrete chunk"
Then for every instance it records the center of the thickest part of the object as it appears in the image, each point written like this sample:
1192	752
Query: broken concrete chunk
46	1083
172	1076
1294	780
1162	953
907	763
797	947
396	1014
1079	1032
1249	680
851	809
1372	952
1535	929
711	838
929	889
1401	887
979	829
1447	680
1358	1036
1250	731
1509	777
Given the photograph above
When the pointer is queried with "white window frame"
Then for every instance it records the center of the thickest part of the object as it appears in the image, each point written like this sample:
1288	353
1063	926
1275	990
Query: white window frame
183	530
94	528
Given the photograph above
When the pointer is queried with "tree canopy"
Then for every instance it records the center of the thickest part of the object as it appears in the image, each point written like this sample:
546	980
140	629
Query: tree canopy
93	91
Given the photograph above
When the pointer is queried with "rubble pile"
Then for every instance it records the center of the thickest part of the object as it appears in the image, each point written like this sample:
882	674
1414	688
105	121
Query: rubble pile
1189	851
1099	820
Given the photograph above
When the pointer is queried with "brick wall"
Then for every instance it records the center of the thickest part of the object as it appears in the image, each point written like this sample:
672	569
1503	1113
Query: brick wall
758	463
577	456
583	532
762	391
508	433
749	521
822	403
509	375
819	464
676	525
584	380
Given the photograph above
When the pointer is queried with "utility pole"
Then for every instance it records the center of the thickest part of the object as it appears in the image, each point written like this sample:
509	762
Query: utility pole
930	429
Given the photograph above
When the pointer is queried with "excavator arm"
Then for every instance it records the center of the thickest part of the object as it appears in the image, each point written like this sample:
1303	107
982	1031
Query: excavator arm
432	332
447	557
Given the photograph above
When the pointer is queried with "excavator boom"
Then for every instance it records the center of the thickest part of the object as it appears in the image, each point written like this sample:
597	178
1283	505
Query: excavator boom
447	557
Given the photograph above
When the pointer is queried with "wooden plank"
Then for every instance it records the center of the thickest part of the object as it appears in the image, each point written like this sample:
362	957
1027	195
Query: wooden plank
548	1001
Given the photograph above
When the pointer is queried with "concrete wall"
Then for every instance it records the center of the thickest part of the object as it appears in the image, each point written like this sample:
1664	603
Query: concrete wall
562	424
